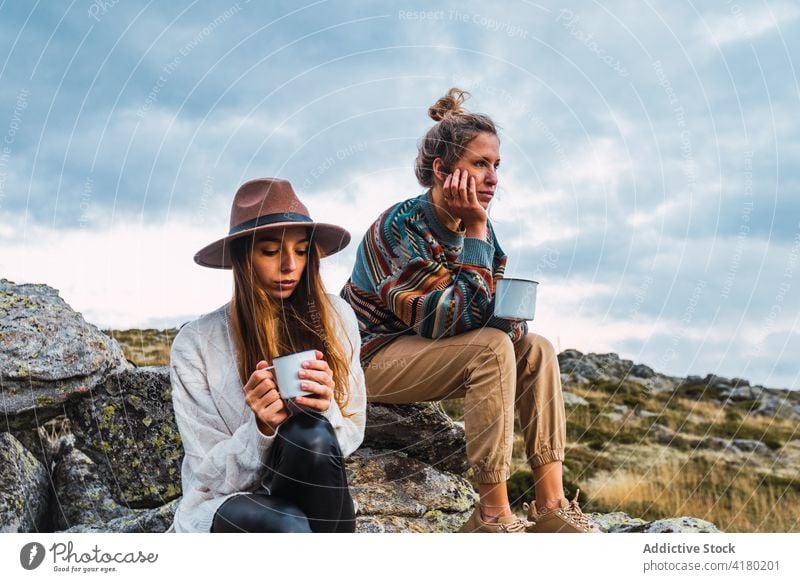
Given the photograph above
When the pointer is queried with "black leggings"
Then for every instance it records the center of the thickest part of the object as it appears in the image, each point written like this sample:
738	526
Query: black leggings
308	489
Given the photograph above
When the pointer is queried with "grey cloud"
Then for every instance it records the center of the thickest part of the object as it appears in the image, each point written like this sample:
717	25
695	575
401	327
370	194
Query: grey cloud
347	104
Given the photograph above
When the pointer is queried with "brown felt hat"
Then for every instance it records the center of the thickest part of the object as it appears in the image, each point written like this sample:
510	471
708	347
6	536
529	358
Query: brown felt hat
265	204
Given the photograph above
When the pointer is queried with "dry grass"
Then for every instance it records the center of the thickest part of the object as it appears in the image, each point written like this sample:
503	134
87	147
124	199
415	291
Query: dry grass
145	347
730	495
620	468
52	430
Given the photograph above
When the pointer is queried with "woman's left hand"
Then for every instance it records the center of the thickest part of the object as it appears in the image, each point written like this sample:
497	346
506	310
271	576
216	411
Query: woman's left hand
316	377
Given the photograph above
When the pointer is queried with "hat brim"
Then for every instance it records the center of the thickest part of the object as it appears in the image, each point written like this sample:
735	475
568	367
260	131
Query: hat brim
329	238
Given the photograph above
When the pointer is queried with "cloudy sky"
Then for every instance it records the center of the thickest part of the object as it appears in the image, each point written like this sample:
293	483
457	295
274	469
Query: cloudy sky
650	154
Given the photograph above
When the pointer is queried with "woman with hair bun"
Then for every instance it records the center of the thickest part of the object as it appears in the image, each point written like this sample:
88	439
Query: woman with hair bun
422	289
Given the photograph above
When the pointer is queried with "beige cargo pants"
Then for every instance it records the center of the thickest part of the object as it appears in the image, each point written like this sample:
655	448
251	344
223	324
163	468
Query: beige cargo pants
493	375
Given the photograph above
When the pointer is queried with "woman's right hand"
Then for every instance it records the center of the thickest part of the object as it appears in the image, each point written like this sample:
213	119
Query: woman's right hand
261	395
462	202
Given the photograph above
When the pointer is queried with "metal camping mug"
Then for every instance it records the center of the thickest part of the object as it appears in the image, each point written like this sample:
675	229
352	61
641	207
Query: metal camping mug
287	369
515	299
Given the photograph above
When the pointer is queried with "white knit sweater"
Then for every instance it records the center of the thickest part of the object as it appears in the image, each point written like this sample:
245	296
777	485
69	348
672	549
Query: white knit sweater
225	453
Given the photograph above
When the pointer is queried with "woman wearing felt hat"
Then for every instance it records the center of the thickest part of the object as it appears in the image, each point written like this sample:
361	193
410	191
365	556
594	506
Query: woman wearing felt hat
255	461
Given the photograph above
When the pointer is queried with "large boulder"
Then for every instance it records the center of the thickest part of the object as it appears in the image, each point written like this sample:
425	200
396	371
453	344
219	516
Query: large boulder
619	522
156	520
84	500
677	525
83	497
422	431
616	522
395	492
128	430
48	354
24	488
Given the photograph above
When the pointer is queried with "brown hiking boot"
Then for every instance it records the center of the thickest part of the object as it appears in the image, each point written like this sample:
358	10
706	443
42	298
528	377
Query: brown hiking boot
565	519
506	524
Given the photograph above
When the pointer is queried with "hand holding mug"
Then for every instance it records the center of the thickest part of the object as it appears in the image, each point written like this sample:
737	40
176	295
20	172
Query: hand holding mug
261	395
316	377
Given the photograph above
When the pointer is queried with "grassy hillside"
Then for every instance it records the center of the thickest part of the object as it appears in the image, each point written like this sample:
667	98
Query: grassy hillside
661	455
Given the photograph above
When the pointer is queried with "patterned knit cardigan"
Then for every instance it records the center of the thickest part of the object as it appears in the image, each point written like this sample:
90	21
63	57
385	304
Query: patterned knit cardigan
414	276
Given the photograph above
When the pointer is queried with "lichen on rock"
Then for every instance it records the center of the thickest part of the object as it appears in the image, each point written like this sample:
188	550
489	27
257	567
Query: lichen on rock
48	354
128	429
24	488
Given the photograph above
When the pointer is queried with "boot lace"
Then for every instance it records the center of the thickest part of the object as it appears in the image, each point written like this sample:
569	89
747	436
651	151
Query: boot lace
514	527
574	511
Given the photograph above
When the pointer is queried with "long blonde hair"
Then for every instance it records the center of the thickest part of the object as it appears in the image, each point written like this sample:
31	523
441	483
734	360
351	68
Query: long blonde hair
264	328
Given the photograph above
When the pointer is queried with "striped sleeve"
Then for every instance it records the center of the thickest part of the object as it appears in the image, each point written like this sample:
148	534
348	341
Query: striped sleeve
420	290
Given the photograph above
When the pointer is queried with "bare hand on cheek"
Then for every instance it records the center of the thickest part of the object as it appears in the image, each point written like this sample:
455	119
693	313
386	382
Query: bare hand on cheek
462	202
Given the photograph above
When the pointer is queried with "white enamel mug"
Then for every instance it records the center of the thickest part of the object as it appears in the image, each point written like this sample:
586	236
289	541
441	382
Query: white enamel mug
287	369
515	298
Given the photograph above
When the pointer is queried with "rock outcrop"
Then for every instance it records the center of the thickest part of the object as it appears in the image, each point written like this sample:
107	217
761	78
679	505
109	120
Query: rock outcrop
396	492
609	370
117	468
421	430
83	495
619	522
578	368
48	354
128	430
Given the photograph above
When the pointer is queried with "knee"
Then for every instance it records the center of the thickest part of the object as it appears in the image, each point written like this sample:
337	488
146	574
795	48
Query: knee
285	519
289	520
259	514
493	343
540	347
493	357
310	432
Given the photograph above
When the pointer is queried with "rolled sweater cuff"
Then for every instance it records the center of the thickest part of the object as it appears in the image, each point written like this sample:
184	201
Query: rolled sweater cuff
478	252
262	441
